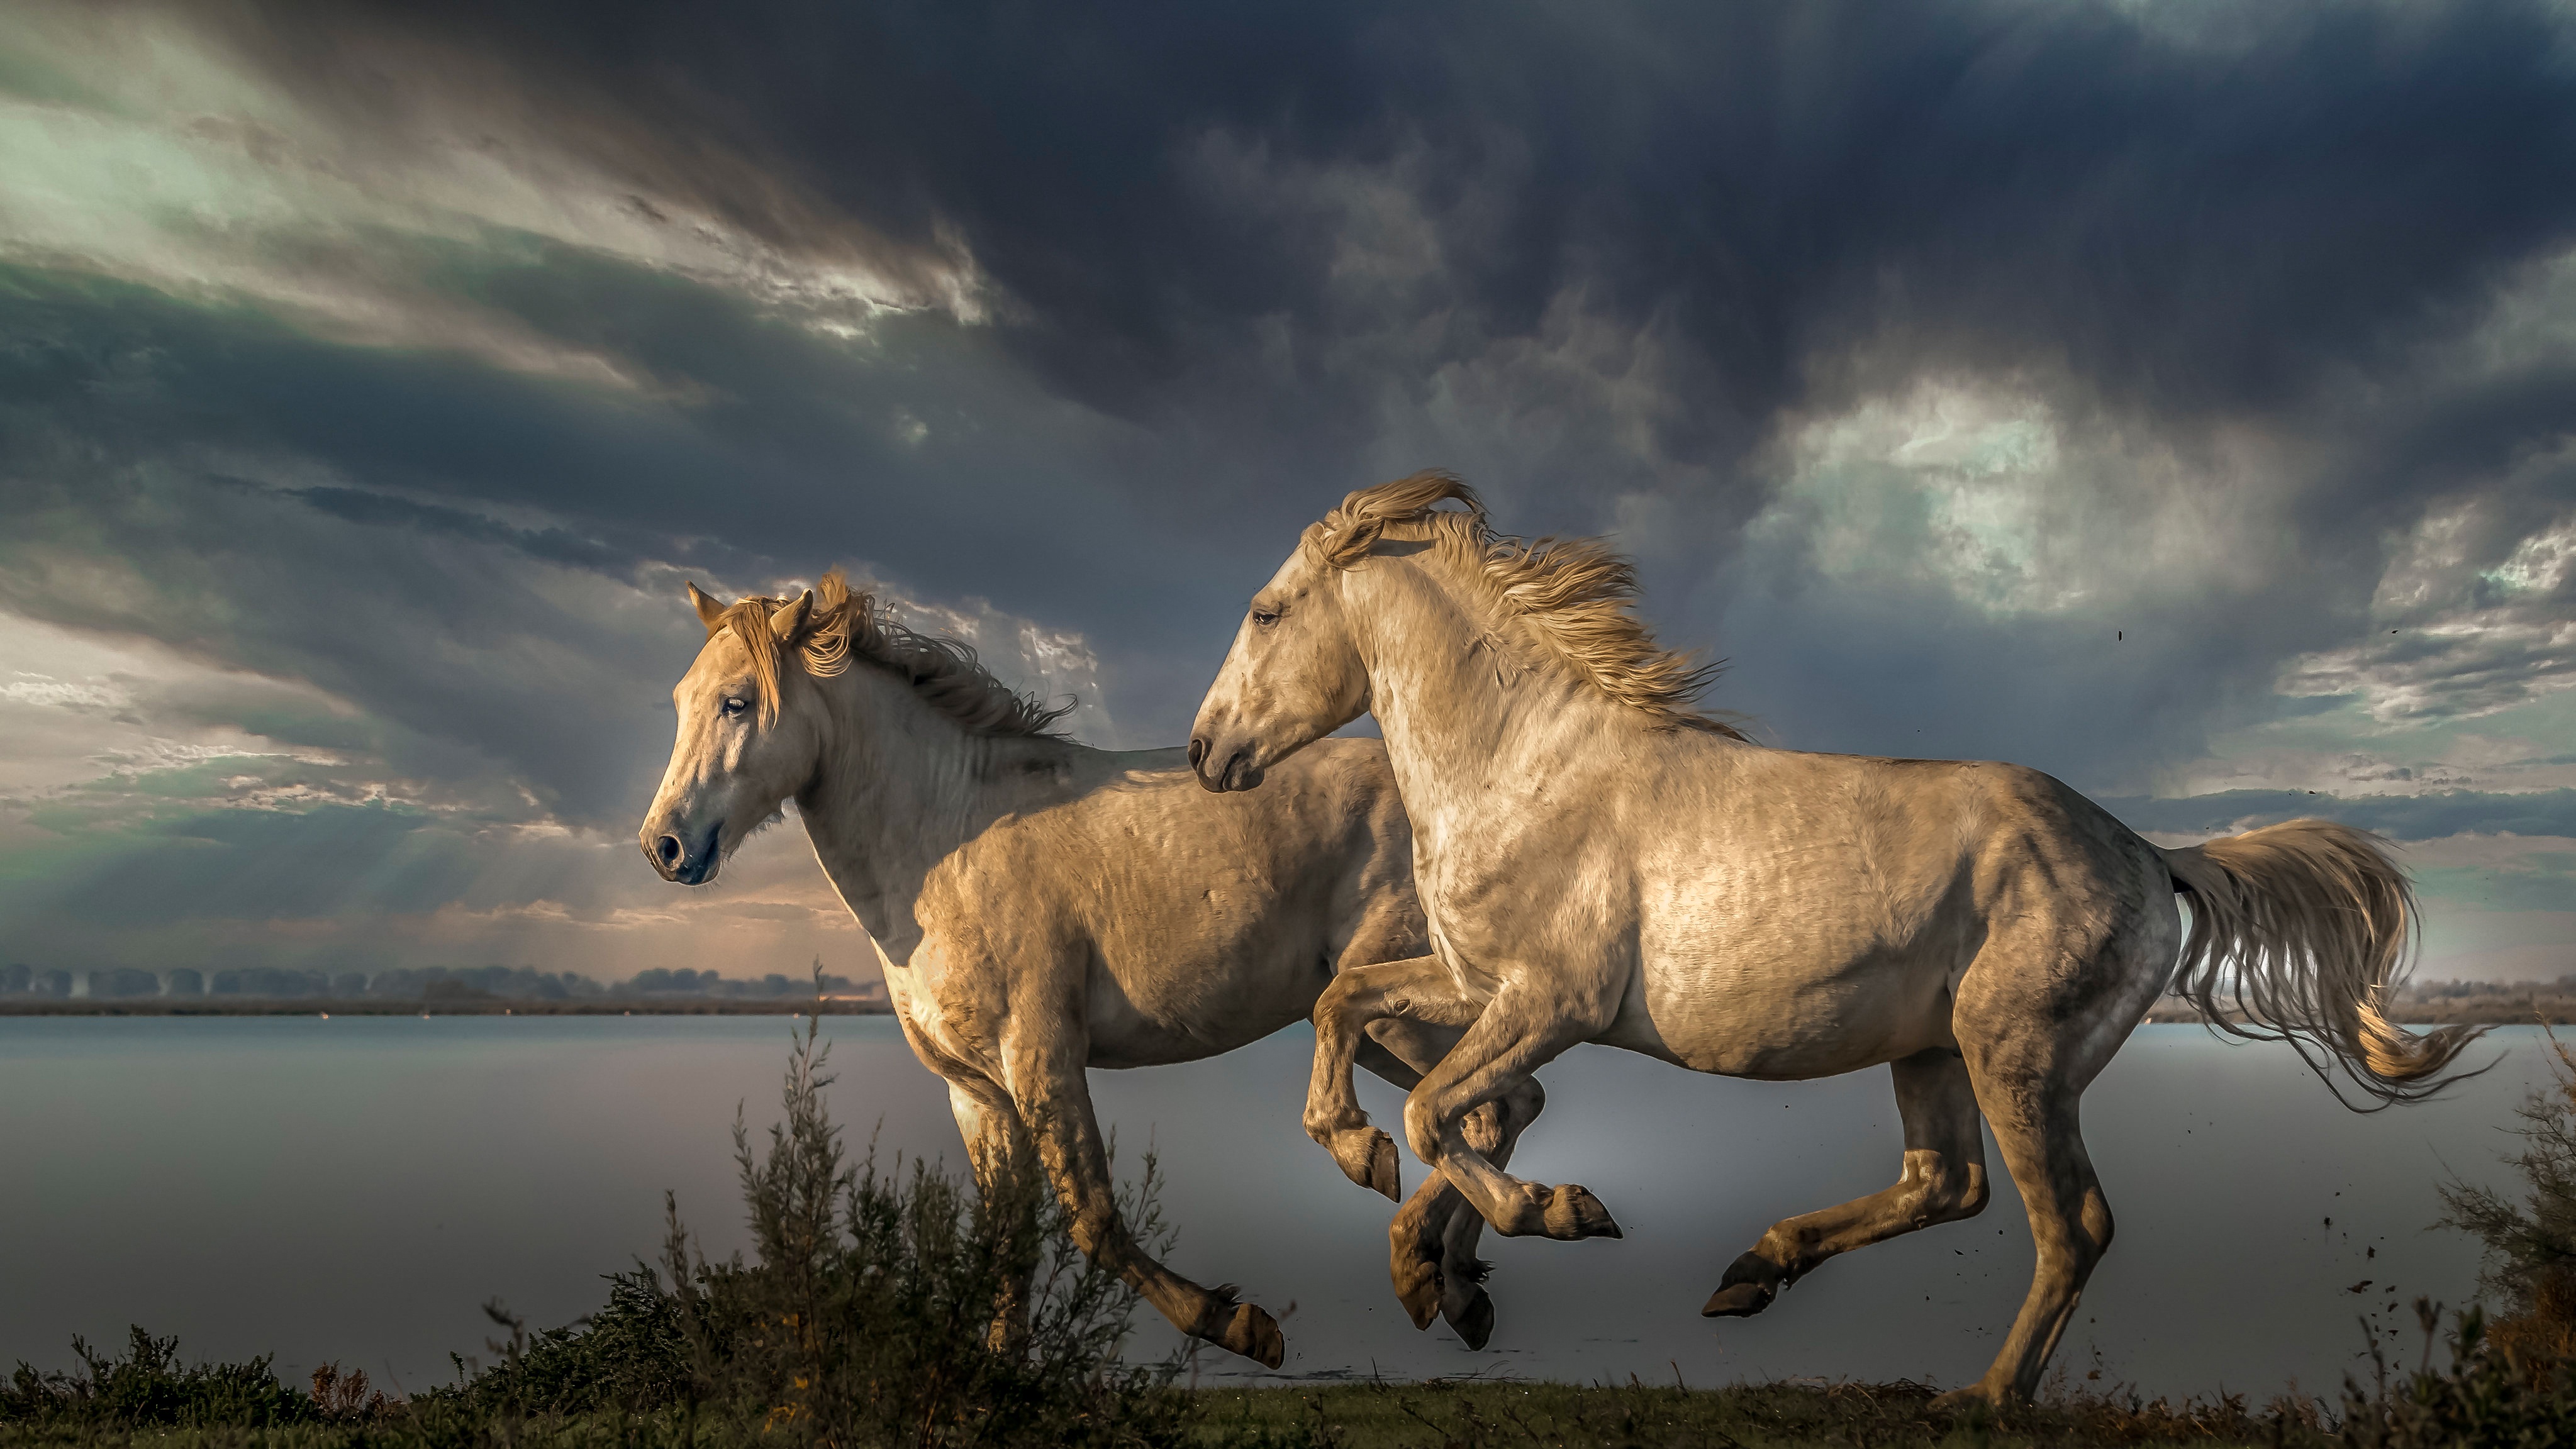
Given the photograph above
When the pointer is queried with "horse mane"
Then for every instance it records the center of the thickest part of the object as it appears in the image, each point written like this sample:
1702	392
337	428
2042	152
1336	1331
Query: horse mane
844	625
1577	597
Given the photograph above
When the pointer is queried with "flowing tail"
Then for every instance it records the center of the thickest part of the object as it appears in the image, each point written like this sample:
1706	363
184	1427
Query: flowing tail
2305	927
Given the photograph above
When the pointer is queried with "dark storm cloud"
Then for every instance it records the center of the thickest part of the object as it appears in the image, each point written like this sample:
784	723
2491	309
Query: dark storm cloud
1273	236
2199	206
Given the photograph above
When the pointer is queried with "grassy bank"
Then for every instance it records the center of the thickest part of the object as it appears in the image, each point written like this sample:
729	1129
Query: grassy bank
1415	1417
2457	1408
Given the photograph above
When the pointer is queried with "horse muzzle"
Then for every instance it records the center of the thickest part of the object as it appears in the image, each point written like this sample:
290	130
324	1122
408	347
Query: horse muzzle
1221	768
674	861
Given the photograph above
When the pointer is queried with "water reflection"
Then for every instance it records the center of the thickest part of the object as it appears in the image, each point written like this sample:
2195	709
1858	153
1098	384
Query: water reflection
355	1188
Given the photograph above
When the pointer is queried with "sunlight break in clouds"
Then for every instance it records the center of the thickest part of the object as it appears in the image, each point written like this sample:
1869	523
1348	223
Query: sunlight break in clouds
1987	495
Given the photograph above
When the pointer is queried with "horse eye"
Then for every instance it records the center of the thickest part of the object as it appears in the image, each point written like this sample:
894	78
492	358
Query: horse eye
1265	617
733	707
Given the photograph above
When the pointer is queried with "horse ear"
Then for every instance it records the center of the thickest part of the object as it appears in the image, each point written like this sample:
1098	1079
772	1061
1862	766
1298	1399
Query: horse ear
789	621
709	611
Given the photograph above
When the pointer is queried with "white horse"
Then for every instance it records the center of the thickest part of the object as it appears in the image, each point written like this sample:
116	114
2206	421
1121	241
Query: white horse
1602	862
1040	907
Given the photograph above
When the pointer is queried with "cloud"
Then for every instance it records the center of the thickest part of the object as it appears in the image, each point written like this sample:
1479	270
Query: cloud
2080	384
2476	623
342	185
2430	816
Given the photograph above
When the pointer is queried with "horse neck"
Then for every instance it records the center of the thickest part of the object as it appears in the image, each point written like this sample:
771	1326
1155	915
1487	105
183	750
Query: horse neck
1465	699
898	787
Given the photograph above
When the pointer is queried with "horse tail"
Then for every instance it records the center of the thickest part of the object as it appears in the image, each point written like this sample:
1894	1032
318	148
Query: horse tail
2306	926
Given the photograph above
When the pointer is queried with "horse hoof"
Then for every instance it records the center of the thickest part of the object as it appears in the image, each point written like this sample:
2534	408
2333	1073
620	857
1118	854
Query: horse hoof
1474	1323
1255	1335
1573	1212
1751	1282
1973	1398
1418	1288
1367	1157
1739	1300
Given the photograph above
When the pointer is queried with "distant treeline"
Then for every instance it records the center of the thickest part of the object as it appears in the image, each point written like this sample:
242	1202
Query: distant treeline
430	983
2443	1003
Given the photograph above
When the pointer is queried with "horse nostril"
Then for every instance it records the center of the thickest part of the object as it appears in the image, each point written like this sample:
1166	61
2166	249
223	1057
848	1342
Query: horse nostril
668	849
1198	751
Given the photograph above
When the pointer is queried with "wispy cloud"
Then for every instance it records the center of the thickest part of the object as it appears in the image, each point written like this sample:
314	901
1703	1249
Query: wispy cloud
362	197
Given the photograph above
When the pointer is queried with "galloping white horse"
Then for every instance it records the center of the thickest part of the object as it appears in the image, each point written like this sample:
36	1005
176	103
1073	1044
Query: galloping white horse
1040	907
1603	862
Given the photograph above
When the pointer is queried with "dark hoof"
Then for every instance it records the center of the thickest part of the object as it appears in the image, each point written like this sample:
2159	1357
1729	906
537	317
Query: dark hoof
1474	1323
1751	1282
1255	1335
1367	1157
1573	1212
1739	1300
1417	1285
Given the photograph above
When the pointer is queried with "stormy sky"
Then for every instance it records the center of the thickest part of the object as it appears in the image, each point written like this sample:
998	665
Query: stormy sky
2174	397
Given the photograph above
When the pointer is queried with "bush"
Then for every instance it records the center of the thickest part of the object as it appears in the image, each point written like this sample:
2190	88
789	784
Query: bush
629	1357
880	1308
906	1308
149	1387
2531	1245
2490	1396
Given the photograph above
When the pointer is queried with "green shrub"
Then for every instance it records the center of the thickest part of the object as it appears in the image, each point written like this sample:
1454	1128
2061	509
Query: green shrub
150	1387
630	1356
2531	1244
2490	1396
907	1308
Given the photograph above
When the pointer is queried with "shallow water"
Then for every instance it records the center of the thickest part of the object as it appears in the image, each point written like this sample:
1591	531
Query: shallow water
355	1188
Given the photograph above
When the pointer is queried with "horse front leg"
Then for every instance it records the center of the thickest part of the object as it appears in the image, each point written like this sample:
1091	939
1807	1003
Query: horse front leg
1054	1098
1944	1179
1420	989
1431	1244
1520	1030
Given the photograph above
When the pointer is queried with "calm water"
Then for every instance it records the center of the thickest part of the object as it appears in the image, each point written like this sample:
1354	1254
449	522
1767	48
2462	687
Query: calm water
355	1188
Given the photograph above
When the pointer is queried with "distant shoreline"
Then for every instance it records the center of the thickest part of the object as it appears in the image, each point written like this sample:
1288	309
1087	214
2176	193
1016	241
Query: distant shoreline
2554	1009
2498	1010
444	1006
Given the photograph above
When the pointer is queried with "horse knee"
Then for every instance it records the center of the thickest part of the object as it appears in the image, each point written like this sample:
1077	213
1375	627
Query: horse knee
1945	1191
1422	1129
1968	1198
2095	1218
1336	999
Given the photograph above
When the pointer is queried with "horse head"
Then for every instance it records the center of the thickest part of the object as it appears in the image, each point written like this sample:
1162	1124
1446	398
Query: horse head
1293	676
750	732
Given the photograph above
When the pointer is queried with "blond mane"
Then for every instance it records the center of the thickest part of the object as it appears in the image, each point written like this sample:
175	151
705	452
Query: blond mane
1576	596
844	625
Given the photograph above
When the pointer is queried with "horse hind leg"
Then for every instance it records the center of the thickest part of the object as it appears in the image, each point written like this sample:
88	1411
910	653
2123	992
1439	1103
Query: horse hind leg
2035	1039
2070	1226
999	1147
1944	1179
1055	1100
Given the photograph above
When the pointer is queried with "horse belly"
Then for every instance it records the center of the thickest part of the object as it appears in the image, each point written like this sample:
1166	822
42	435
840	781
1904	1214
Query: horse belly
1789	1021
1186	1009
